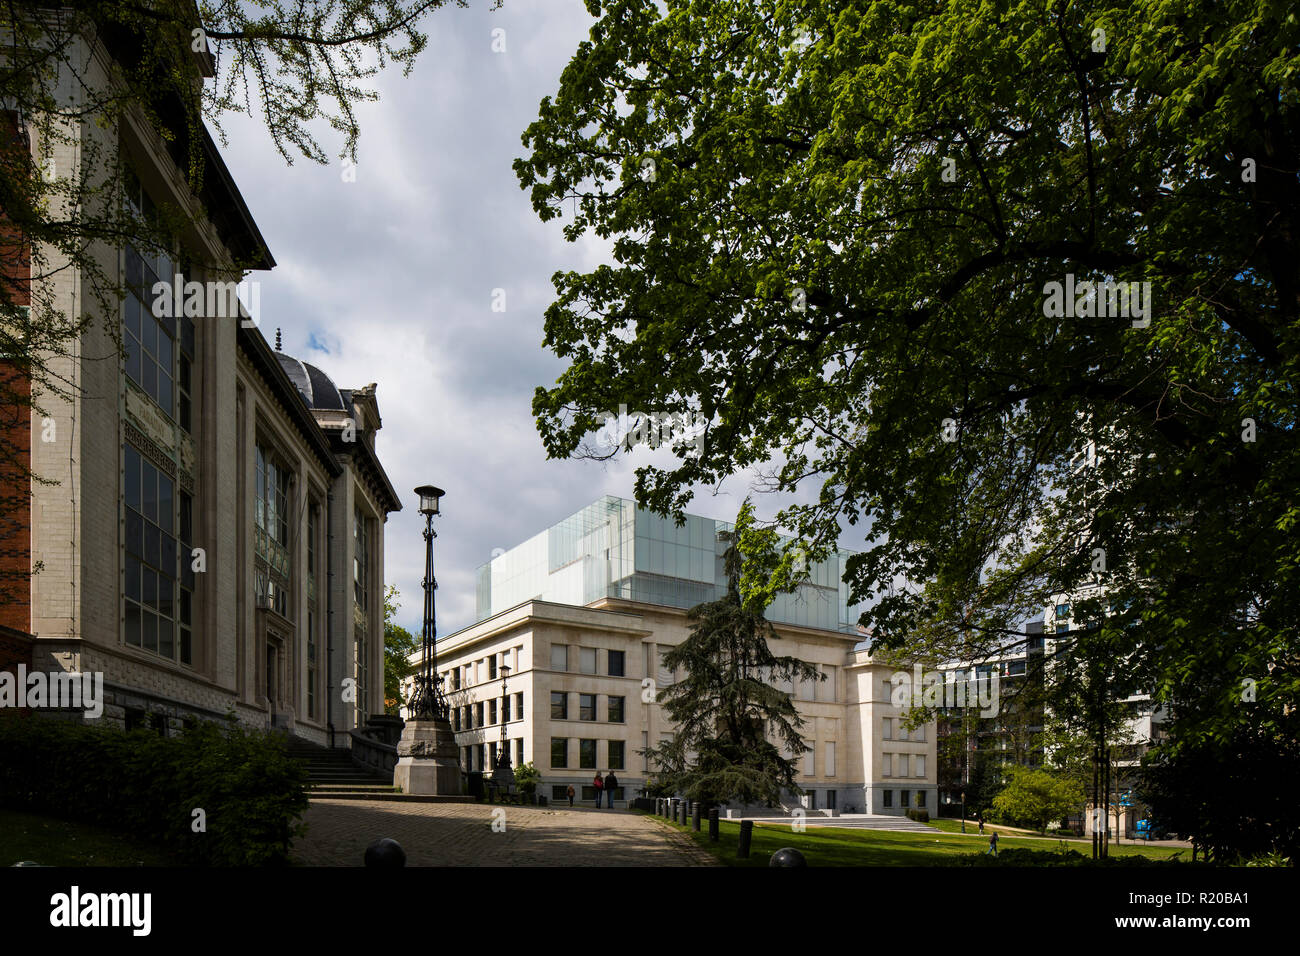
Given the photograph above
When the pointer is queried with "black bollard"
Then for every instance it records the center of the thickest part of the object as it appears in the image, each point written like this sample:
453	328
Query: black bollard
713	825
385	852
787	856
684	818
695	818
746	834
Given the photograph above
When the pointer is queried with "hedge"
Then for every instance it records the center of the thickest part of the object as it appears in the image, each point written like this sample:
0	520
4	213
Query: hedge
138	782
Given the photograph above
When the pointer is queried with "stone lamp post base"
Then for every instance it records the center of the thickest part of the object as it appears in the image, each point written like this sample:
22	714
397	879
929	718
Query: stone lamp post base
428	761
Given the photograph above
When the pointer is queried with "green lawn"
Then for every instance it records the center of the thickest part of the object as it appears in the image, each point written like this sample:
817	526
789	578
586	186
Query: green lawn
51	842
828	846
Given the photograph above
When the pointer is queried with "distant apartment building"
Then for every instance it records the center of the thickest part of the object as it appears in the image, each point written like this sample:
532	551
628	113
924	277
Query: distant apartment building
208	534
583	614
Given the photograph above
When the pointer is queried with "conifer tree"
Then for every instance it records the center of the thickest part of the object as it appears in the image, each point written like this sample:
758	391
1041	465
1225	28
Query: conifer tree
737	732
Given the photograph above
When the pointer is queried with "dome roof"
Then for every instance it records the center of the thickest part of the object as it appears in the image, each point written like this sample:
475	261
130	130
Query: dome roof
316	388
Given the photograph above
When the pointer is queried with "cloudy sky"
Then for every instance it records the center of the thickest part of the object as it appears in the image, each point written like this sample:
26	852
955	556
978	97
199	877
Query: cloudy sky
390	279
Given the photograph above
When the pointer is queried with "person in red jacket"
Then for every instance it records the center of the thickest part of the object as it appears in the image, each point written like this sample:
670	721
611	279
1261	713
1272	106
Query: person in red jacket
599	784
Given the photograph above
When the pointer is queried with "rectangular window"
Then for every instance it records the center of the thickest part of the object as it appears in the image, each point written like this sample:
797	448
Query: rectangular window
586	706
478	714
920	798
587	660
519	752
887	728
616	710
810	762
830	799
469	719
889	798
587	754
455	719
559	657
616	754
920	765
885	764
826	689
159	577
830	758
902	731
519	704
158	348
616	663
919	733
559	791
313	530
361	560
492	711
455	678
1062	610
505	708
902	798
559	705
902	765
492	667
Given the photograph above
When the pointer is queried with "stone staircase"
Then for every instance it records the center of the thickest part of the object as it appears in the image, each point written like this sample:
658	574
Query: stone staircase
334	775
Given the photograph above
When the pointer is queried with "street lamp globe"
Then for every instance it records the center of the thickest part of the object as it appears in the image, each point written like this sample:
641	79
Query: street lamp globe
429	499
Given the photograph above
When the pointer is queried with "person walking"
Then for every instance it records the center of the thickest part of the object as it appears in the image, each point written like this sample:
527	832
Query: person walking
980	818
571	794
993	844
611	782
599	784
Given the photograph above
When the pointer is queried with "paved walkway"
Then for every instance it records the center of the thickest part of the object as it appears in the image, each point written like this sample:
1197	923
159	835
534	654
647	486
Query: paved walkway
338	832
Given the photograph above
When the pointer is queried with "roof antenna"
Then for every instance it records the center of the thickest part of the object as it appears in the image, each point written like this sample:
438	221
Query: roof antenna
277	340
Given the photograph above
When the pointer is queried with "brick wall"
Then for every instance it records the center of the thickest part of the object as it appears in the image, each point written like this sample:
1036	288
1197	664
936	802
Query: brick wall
15	416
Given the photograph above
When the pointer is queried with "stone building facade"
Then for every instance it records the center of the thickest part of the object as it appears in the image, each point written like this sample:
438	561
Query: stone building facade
212	538
611	587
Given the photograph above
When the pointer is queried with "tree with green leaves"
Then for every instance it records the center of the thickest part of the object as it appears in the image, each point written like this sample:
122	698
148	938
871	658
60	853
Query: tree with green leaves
1010	287
737	734
399	645
1036	797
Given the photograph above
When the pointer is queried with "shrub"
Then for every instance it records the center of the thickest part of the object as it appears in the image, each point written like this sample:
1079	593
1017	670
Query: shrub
527	777
920	816
250	791
1058	857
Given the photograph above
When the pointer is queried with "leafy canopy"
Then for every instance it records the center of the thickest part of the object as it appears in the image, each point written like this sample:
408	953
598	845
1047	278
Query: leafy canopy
834	229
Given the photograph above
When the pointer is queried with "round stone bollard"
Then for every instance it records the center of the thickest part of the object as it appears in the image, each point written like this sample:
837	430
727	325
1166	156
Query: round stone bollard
713	825
695	818
787	856
385	852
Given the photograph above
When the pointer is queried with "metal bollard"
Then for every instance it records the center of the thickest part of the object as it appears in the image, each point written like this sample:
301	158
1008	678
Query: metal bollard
695	818
683	819
746	834
713	825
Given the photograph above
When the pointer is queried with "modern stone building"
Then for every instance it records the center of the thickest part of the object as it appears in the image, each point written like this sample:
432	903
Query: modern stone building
583	614
213	537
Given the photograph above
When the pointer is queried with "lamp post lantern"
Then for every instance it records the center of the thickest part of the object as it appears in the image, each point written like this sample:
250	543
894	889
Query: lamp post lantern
428	760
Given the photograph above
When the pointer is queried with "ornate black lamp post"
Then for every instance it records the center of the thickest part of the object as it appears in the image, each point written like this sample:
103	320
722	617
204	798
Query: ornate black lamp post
502	776
428	761
427	702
